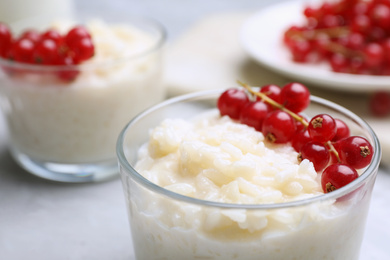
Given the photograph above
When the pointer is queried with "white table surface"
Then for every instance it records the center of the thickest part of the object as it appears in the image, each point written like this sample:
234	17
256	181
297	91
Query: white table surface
43	220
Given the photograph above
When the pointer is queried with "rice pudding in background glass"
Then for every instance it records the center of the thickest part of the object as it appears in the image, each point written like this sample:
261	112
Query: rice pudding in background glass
67	130
198	189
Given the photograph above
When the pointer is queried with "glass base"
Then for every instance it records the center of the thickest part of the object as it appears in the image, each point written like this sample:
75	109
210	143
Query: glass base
72	173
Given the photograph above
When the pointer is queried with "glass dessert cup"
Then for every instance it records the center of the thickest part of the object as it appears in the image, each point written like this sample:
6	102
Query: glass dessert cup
167	225
67	130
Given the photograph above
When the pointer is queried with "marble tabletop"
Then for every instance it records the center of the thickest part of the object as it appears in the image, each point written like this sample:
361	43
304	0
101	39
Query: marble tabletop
41	220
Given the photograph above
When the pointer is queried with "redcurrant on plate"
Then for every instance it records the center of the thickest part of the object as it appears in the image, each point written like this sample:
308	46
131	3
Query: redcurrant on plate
264	45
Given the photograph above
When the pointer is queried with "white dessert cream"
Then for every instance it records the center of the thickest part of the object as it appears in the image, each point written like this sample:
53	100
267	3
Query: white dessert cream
79	121
213	158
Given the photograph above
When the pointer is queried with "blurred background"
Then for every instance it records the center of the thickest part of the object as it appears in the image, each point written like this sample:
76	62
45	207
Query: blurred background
176	15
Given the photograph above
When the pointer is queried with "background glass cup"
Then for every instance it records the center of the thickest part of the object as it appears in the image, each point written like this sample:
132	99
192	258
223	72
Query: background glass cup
14	10
67	131
167	225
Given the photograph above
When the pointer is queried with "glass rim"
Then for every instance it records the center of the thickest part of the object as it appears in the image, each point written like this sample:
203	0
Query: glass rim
130	171
158	43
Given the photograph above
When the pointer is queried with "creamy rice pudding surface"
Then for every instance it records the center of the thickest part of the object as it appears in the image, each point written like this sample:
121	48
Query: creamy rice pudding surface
213	158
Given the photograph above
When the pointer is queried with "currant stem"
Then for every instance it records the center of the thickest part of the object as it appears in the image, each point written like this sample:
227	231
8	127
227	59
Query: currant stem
338	48
334	32
333	150
270	101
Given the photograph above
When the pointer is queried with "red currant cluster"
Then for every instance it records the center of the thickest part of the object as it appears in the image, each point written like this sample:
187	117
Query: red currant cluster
323	140
47	48
353	36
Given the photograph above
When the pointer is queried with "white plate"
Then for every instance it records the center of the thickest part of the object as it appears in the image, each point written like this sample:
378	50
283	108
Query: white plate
261	37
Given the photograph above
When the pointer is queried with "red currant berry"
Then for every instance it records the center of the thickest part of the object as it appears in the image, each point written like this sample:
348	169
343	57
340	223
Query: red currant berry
231	102
331	20
376	34
361	23
342	130
339	63
45	52
295	97
32	35
52	34
75	34
322	128
386	49
336	176
321	45
310	12
299	139
278	127
355	41
272	91
373	54
5	39
315	152
22	50
300	49
253	114
355	151
69	73
359	7
83	49
380	103
357	65
380	15
63	50
328	8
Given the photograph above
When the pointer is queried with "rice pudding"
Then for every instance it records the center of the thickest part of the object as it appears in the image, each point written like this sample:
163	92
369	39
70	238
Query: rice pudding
234	195
74	122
